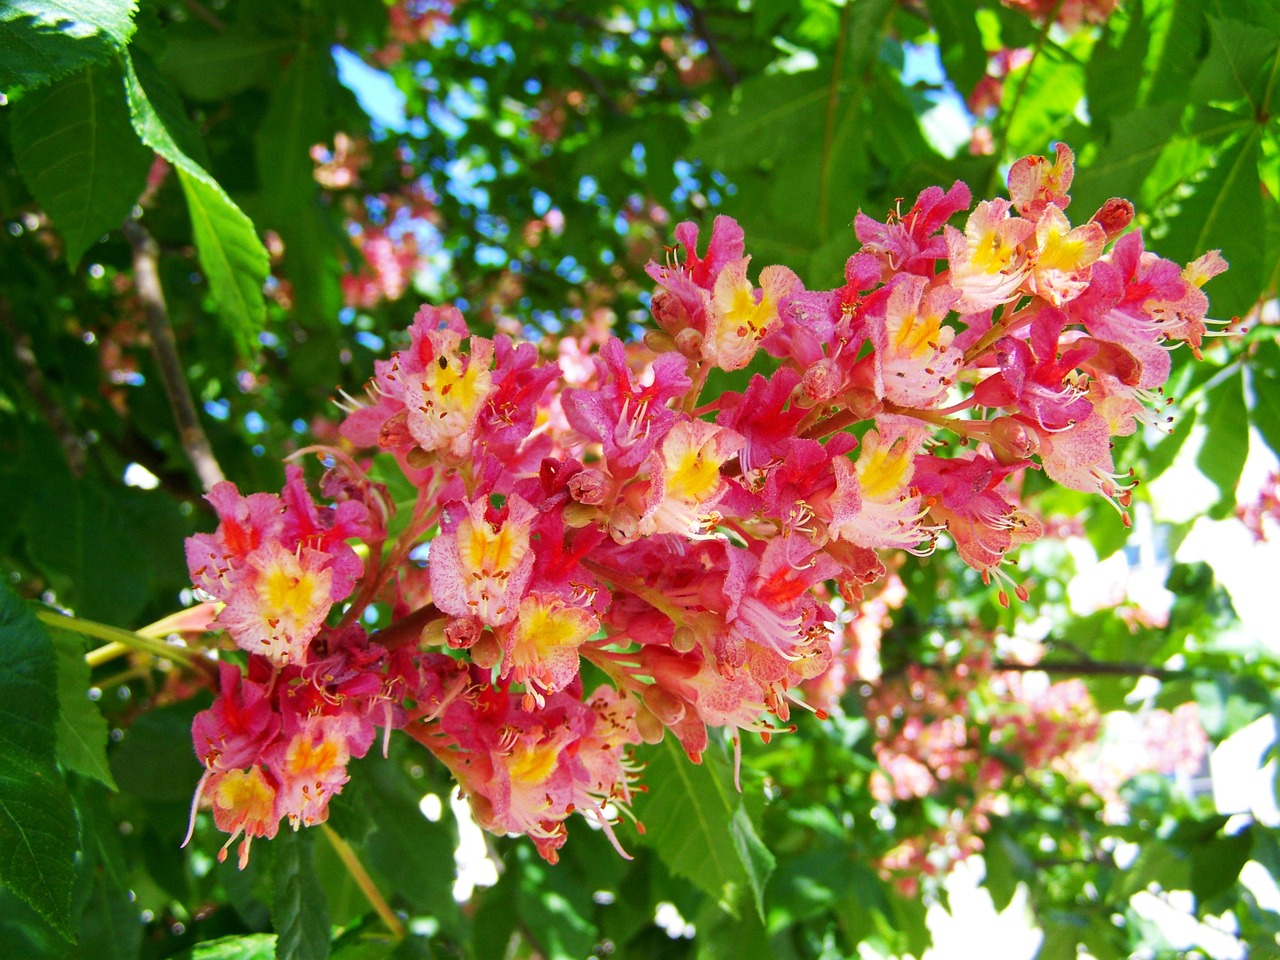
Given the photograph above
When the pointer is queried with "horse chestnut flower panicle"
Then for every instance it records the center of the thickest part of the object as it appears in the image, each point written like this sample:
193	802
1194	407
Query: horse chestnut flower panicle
684	542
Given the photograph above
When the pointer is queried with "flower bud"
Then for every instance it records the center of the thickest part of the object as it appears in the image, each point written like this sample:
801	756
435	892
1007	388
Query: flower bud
1012	442
689	342
486	652
461	632
1113	216
589	487
659	341
650	727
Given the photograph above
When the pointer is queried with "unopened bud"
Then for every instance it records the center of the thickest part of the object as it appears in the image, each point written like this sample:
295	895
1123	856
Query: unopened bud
649	727
666	707
589	486
821	382
684	639
624	524
1011	441
461	632
1114	216
486	652
689	342
579	515
659	341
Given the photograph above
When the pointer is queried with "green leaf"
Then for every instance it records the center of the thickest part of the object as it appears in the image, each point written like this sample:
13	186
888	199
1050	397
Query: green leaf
38	832
82	730
1235	67
1216	864
79	155
959	41
299	912
255	946
691	818
215	67
1264	387
233	258
155	760
1226	441
42	40
1225	213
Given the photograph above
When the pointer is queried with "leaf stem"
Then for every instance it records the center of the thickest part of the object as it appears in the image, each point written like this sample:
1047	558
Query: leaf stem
116	638
365	882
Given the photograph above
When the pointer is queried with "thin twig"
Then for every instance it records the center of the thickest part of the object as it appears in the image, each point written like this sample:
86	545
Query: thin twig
364	881
164	346
201	12
1096	668
699	24
73	444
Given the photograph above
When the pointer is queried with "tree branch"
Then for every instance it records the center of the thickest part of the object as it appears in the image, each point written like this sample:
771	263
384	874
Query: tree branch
164	348
1095	668
699	24
73	444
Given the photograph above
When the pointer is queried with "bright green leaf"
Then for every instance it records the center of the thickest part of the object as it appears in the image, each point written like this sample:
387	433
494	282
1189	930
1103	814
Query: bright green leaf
38	831
233	258
1225	213
1234	69
1264	385
255	946
1226	440
299	912
82	730
689	816
79	155
42	40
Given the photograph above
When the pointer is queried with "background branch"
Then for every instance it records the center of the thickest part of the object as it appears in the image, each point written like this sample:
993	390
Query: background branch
164	347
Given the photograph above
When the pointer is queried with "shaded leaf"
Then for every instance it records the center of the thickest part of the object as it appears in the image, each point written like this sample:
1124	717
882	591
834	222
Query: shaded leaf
299	911
79	155
155	760
38	831
42	40
214	67
82	730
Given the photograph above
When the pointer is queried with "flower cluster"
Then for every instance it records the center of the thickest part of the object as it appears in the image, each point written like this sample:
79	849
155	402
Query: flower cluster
963	732
688	543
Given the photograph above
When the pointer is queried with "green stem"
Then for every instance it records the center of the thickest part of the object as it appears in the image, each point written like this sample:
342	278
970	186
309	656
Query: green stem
126	638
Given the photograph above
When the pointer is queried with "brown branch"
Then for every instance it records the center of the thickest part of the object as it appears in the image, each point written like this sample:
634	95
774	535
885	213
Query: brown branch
1094	668
699	23
73	444
164	348
201	12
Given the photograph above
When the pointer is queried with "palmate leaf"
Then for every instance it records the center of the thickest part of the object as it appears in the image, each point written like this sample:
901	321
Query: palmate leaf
79	155
233	258
696	823
38	834
42	40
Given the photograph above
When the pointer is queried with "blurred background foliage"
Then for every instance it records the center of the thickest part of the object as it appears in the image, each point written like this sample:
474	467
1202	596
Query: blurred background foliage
299	176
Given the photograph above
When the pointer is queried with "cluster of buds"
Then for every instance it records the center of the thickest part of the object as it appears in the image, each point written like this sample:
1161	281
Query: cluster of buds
688	546
1068	14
